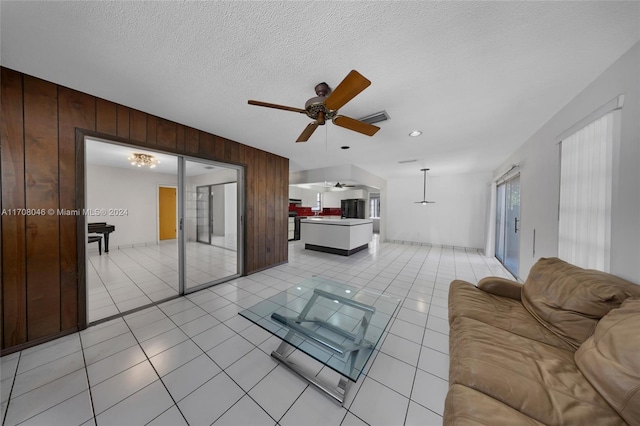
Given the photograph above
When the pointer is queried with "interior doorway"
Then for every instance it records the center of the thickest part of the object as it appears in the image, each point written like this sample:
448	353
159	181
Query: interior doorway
508	224
167	208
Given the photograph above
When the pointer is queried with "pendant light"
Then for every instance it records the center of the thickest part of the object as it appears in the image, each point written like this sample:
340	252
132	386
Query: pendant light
424	191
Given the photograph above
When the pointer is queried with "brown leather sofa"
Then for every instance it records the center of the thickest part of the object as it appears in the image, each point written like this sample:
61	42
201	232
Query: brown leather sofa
562	349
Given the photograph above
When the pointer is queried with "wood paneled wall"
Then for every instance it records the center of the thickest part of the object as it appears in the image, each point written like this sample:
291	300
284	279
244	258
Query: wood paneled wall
39	252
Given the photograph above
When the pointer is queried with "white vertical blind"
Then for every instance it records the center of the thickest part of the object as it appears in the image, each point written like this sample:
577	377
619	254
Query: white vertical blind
585	195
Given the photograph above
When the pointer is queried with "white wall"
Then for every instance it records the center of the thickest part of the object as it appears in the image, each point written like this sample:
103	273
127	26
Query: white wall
540	181
132	189
458	217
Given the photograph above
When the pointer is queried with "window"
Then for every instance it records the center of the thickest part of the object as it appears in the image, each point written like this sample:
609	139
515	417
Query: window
374	205
318	206
585	195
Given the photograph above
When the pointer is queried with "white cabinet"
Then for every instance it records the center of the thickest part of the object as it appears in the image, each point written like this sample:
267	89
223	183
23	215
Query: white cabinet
292	227
333	198
308	197
294	192
354	193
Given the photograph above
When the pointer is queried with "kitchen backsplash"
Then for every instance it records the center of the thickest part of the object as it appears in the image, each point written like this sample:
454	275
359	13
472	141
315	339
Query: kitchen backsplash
306	211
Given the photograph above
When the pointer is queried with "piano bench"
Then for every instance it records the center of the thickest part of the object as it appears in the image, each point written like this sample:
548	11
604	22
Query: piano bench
98	238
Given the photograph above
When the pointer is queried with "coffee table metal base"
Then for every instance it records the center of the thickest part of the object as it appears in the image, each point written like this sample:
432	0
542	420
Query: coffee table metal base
338	393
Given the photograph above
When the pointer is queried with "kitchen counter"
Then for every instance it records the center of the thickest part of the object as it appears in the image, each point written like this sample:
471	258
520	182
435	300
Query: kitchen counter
337	236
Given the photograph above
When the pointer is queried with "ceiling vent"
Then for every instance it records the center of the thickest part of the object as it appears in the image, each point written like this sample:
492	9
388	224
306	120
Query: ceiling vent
406	161
375	118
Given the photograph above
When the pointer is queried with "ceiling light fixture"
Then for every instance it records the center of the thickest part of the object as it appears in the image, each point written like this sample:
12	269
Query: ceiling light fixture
141	160
424	201
415	133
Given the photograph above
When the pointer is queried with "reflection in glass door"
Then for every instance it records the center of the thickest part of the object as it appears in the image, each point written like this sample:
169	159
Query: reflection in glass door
211	223
132	255
508	224
145	253
203	213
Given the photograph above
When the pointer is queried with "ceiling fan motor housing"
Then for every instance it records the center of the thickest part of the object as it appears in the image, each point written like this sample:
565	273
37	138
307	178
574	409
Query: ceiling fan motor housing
315	106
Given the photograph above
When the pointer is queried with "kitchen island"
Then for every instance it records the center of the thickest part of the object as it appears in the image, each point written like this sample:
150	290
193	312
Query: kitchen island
337	236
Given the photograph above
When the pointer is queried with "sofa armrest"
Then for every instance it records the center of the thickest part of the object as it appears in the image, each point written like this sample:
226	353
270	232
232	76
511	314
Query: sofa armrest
501	287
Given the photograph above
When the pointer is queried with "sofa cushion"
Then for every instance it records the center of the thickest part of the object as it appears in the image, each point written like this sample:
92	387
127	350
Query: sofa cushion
541	381
466	406
569	300
501	287
610	361
508	314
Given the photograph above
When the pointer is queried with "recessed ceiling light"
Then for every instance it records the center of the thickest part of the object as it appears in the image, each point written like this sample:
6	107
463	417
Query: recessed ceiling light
415	133
344	147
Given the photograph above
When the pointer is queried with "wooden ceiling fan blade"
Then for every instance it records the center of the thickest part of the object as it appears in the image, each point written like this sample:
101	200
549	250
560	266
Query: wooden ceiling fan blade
348	88
276	106
307	132
356	125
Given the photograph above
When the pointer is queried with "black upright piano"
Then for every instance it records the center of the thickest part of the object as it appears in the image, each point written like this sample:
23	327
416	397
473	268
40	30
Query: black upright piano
102	228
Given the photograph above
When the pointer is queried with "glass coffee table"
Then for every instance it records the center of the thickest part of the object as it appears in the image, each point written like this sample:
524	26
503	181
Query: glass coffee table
336	324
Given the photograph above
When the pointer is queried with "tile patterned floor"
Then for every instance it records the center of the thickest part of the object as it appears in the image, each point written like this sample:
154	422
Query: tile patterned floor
194	361
130	277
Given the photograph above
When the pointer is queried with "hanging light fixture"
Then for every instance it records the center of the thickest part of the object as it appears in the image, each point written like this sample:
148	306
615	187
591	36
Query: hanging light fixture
424	191
143	160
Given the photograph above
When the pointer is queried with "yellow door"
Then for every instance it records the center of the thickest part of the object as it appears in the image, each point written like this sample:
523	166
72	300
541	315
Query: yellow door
167	213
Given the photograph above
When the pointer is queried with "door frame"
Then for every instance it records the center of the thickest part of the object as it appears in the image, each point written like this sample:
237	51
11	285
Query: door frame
241	228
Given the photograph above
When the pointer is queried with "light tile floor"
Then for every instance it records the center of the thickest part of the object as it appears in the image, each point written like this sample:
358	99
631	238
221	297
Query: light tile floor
127	278
194	361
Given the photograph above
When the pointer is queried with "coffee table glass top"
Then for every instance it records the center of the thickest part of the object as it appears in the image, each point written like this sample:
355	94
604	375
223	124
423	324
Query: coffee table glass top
337	324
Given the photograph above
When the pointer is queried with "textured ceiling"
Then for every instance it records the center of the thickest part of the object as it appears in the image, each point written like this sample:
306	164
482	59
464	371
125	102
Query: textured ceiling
478	78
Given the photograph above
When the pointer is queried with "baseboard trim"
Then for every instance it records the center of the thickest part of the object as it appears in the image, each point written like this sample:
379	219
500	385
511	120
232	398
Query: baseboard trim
416	243
333	250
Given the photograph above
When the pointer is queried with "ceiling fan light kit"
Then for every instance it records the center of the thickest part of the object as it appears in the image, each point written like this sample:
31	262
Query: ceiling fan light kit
326	104
424	201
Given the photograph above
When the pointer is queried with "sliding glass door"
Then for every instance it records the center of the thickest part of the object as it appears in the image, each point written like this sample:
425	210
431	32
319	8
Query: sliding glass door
211	223
156	229
508	224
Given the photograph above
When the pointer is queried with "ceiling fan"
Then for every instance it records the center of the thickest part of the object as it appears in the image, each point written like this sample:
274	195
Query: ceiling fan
342	185
326	104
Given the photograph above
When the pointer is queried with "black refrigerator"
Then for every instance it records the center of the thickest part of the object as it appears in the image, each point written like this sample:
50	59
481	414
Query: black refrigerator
353	208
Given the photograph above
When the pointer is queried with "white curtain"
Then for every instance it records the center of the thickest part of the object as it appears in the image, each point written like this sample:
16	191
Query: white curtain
585	195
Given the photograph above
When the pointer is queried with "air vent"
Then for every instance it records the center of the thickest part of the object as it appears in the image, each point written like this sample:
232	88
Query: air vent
209	167
406	161
375	118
